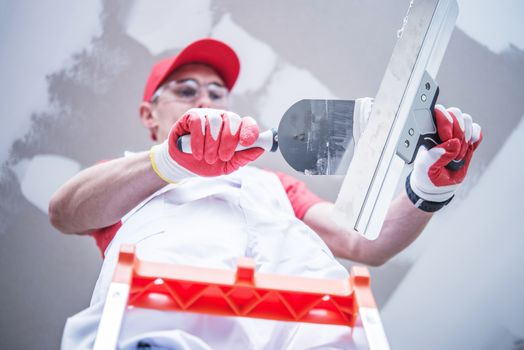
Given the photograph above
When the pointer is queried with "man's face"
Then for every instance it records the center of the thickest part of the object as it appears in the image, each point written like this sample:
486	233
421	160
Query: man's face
189	86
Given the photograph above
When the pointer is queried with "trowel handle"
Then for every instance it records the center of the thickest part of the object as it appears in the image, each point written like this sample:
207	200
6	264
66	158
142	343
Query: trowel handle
421	126
268	140
432	140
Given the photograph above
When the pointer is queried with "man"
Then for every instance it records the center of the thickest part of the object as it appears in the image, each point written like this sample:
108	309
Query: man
209	207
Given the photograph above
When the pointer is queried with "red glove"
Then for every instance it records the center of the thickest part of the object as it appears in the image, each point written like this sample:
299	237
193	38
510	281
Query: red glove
431	185
215	135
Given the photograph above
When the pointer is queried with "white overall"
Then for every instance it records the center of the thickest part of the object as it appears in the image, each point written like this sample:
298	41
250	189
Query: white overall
210	222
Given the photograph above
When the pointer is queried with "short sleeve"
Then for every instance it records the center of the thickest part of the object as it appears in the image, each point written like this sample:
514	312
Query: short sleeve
300	197
104	236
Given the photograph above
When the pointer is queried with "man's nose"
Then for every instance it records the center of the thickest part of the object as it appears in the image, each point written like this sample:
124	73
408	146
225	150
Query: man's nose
204	101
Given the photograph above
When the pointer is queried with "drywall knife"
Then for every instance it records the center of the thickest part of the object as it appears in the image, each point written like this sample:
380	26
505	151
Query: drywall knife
314	136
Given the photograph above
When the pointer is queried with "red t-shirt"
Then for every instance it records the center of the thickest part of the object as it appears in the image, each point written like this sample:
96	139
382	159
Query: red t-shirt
300	197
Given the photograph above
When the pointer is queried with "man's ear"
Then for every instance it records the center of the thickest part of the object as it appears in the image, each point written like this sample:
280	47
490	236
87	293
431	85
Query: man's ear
148	119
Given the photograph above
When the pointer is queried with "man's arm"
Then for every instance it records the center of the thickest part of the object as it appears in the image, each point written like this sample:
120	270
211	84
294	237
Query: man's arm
430	186
101	195
403	224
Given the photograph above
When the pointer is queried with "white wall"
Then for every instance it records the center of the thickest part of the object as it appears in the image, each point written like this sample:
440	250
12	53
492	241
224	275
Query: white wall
466	290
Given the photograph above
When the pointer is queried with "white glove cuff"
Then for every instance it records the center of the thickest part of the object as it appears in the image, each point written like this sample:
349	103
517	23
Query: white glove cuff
444	194
421	203
165	166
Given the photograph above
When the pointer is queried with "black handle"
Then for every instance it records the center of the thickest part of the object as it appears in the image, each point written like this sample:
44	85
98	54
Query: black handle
431	140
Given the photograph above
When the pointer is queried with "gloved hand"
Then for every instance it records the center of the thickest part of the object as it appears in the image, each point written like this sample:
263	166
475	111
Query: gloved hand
431	185
214	136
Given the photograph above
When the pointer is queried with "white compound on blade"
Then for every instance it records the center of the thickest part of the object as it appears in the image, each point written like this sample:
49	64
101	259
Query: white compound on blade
404	21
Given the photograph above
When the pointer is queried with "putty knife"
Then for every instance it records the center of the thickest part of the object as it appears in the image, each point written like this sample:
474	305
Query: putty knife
314	136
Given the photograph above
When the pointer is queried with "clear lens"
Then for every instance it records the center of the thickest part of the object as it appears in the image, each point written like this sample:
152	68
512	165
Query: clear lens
186	90
217	92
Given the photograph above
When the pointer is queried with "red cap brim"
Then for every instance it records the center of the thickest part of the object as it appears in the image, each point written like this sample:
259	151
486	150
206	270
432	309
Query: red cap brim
220	56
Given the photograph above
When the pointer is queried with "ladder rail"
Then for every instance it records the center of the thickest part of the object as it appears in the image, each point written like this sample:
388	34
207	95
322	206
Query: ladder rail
242	293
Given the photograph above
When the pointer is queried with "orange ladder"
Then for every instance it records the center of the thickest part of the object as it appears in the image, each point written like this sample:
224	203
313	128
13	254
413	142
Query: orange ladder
243	292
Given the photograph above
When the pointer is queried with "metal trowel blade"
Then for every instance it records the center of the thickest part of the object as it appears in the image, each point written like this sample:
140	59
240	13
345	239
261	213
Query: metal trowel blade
316	136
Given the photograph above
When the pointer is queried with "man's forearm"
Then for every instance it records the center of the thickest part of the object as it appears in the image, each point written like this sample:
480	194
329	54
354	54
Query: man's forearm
403	224
100	195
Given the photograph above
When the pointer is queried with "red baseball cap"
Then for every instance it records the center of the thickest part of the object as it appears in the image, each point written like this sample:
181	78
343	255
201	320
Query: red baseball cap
212	52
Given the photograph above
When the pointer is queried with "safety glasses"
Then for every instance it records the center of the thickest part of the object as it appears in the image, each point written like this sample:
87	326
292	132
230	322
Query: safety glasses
190	90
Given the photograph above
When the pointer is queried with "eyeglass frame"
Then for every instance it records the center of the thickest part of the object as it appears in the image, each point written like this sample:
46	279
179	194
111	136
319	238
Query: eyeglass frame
164	87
